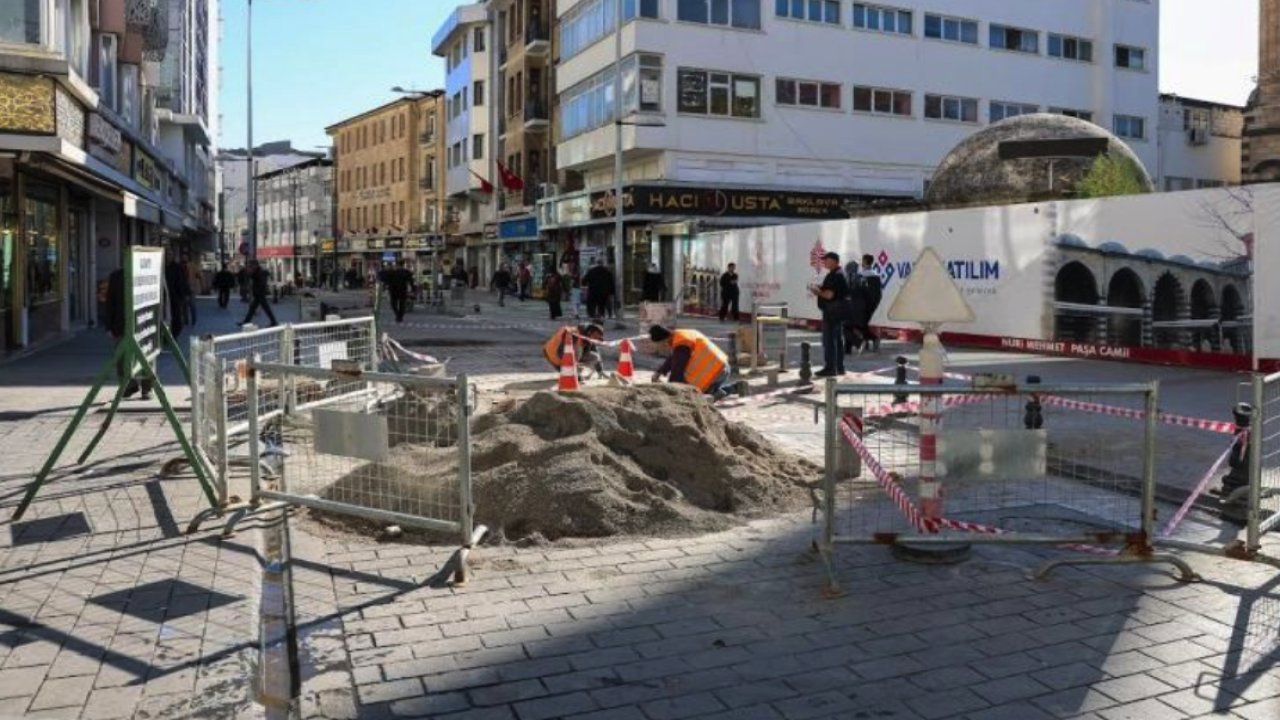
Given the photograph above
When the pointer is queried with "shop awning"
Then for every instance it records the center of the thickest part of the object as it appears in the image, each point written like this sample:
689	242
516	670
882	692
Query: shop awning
136	207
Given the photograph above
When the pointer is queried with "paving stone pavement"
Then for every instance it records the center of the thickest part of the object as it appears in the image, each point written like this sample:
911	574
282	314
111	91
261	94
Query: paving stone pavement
734	625
106	609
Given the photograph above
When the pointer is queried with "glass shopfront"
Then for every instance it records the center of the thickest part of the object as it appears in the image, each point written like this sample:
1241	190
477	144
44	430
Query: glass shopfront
8	252
43	256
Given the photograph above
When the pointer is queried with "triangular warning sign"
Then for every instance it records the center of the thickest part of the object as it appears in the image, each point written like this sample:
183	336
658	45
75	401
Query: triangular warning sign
930	295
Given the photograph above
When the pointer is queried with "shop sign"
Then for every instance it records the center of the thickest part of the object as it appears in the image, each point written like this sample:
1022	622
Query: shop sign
373	194
375	244
521	229
394	243
491	231
275	251
354	245
710	202
144	171
104	139
326	246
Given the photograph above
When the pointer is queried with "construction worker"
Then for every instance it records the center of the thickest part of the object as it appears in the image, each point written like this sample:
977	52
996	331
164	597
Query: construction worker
694	360
584	349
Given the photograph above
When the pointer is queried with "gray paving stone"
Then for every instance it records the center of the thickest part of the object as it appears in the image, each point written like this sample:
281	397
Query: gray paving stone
946	703
1148	709
684	706
556	706
620	713
390	690
112	703
1261	710
19	682
814	706
1010	689
1013	711
1062	677
755	693
1132	688
508	692
63	692
947	678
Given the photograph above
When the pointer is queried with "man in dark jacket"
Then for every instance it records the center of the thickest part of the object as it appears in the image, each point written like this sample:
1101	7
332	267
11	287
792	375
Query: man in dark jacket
178	293
223	282
729	293
501	282
399	282
833	301
260	289
599	283
116	327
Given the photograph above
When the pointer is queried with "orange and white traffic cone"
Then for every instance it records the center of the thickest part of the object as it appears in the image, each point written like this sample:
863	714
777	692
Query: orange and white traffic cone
568	368
626	368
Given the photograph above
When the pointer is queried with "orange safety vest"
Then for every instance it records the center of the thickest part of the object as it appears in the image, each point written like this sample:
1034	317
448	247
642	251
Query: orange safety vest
554	348
706	361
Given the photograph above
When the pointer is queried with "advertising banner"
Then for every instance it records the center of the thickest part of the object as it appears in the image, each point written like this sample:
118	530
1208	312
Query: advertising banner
1164	277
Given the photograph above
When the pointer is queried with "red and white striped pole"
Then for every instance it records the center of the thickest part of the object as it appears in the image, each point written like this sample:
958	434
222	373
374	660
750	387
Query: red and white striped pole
931	374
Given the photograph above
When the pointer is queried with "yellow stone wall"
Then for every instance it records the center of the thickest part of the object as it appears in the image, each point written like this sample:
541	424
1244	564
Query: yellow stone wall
26	104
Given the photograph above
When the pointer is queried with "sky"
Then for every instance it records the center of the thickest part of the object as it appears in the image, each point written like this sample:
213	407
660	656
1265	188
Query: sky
319	61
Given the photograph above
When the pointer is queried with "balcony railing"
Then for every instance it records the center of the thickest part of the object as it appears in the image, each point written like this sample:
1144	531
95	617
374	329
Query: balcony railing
427	183
535	115
427	138
537	40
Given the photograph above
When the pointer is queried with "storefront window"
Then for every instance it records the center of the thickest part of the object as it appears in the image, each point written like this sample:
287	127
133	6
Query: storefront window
8	227
43	275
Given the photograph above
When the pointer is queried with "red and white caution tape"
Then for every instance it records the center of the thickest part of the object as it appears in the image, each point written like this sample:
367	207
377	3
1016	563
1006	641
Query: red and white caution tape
391	347
1217	426
735	402
1172	526
882	476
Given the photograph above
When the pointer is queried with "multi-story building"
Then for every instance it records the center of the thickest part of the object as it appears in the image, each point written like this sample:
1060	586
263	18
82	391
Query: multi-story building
763	111
526	143
1198	145
233	168
432	198
97	151
385	158
1260	154
295	215
465	41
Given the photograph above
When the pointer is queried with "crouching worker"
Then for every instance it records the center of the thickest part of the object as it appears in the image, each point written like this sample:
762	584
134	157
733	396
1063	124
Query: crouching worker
584	350
694	360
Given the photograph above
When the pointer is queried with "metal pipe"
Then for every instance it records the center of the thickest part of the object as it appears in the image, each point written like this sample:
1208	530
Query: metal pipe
1149	463
1253	522
316	373
886	389
255	470
393	518
252	181
619	242
464	477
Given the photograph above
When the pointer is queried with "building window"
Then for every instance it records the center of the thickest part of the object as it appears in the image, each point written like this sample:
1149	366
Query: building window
477	147
477	94
1131	58
806	93
946	107
707	92
107	87
951	29
819	11
1070	48
882	101
590	104
1004	110
1004	37
479	39
731	13
20	22
882	19
1086	115
1130	126
647	9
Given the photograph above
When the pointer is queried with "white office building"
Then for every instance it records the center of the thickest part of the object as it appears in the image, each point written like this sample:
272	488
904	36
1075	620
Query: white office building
757	111
465	42
1198	144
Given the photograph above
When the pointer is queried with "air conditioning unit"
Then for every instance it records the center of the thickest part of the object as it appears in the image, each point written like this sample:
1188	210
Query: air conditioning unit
1198	136
548	190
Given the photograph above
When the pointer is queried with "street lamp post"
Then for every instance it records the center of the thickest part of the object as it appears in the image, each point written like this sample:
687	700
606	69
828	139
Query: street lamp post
253	189
619	242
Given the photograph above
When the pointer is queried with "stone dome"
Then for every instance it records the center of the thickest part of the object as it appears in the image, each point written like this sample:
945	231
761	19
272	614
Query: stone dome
974	173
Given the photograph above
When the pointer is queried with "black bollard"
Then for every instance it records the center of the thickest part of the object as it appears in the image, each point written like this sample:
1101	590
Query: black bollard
734	370
1033	419
806	364
1241	449
900	378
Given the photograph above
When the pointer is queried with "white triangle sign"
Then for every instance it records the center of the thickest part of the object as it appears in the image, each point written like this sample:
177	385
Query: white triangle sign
930	294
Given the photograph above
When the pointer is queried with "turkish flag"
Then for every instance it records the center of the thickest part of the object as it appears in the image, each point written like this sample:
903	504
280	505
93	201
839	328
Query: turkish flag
510	180
485	185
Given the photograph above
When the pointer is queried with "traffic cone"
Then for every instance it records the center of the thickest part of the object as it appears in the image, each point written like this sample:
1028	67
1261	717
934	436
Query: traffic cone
568	368
626	369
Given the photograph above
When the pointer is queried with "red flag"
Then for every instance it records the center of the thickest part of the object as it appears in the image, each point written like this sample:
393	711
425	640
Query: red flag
485	185
510	180
815	255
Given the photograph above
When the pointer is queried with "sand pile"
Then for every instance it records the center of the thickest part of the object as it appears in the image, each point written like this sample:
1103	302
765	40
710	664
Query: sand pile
605	461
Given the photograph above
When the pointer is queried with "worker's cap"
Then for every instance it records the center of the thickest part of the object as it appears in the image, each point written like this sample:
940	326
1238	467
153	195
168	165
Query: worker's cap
657	333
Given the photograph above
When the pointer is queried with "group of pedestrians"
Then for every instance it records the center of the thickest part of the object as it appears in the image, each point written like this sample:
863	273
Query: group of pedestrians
848	300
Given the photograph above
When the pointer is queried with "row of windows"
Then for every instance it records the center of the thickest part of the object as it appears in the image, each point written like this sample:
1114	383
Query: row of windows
372	216
458	103
372	175
374	133
458	151
595	19
590	104
460	49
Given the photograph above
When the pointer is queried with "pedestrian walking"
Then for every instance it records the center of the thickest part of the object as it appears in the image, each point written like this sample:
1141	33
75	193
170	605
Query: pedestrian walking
259	282
502	283
599	284
654	284
729	293
554	288
525	280
870	288
195	284
179	292
224	281
244	281
833	301
399	285
116	328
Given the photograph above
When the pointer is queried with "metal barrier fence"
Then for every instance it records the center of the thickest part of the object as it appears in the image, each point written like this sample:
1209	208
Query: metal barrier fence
220	407
927	465
1264	514
388	448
